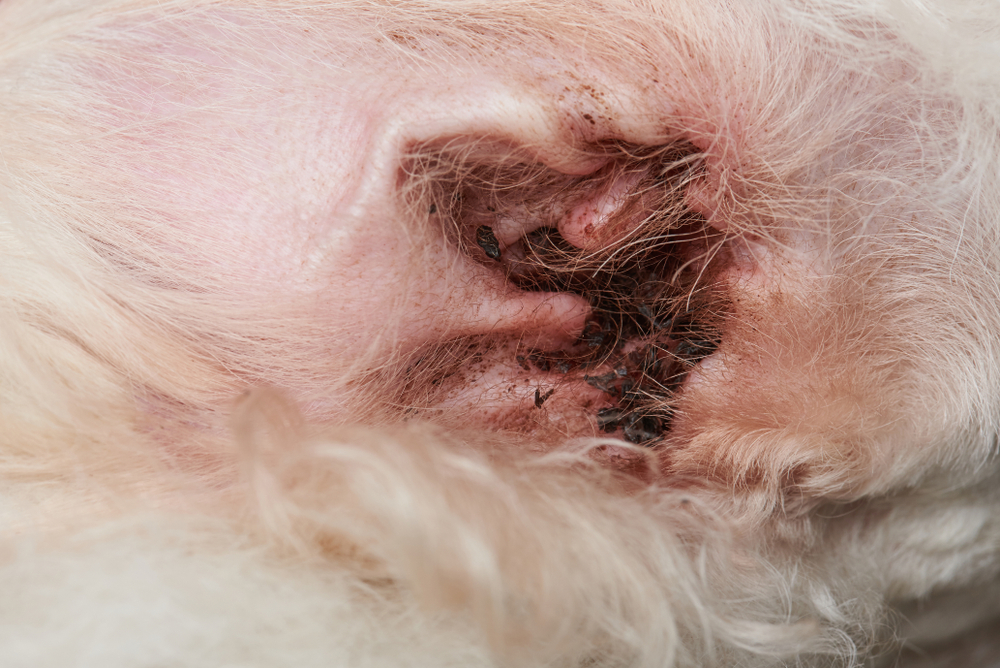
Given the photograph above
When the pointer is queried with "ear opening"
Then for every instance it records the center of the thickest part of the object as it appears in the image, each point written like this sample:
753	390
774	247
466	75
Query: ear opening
622	237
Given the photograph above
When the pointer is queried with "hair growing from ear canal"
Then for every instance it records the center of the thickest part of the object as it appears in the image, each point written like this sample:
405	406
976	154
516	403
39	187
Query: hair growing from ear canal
620	237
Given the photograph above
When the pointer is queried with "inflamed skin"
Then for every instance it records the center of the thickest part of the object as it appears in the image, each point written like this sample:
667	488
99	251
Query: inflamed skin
503	333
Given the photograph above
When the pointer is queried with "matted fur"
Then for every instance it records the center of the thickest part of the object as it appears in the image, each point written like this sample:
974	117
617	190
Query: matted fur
160	508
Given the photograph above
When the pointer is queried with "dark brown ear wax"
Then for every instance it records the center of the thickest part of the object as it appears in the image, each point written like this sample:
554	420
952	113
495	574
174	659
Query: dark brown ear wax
652	322
656	308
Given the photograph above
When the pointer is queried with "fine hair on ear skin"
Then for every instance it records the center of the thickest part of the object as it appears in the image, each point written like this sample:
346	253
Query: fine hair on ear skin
785	515
654	273
137	291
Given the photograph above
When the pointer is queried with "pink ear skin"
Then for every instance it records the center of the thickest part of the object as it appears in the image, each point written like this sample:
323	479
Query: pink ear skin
301	227
586	225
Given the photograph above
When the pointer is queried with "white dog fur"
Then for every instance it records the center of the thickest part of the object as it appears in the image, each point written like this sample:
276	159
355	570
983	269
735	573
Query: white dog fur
835	504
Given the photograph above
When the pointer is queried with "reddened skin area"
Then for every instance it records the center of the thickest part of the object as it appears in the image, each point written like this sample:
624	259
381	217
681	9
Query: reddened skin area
613	333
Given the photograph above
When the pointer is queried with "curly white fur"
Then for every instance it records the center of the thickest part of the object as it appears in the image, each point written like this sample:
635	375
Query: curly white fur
847	504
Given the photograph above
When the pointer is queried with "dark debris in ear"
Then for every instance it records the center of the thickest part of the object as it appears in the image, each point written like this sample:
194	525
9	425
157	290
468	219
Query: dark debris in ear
651	324
656	306
657	309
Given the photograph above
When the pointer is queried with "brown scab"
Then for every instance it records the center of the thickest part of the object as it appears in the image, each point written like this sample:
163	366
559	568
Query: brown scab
486	240
541	398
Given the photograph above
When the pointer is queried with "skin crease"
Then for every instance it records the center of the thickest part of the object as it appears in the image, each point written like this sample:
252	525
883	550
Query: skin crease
260	385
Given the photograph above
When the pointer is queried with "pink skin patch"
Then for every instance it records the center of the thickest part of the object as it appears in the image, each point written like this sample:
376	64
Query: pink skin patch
308	224
586	225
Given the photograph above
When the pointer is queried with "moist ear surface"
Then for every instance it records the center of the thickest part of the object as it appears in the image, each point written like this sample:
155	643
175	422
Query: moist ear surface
646	264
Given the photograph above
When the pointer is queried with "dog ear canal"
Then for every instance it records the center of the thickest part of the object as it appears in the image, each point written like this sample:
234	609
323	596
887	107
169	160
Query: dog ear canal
657	308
